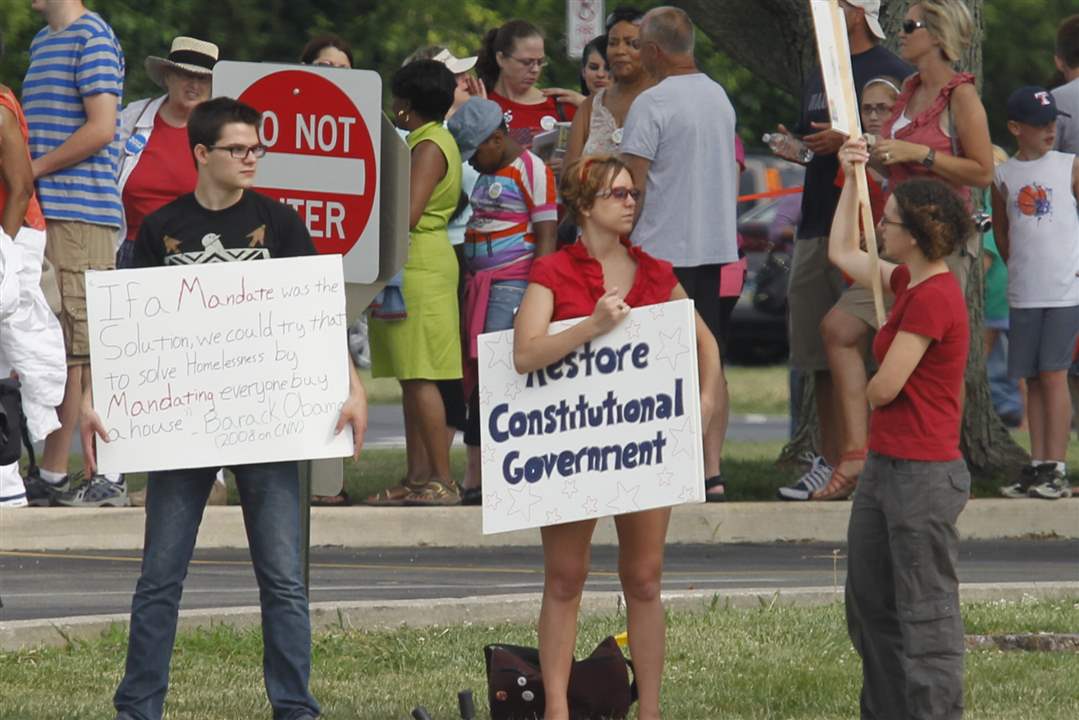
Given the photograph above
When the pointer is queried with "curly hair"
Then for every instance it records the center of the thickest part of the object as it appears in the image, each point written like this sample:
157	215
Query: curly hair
934	215
585	178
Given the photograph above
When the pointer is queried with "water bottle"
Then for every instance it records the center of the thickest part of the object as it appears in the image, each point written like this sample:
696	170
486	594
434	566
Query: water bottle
788	147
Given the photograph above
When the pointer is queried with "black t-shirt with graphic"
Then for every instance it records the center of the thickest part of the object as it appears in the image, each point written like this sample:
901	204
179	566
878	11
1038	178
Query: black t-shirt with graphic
821	196
256	228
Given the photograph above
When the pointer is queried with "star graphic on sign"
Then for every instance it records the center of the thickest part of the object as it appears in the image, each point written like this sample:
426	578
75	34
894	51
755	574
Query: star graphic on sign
554	517
489	454
591	505
625	498
657	311
492	499
672	348
686	493
665	477
680	440
257	237
522	500
569	488
501	349
633	330
512	390
172	245
486	396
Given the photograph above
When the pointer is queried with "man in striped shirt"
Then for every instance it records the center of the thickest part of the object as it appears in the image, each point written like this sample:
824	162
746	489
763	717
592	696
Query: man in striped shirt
71	97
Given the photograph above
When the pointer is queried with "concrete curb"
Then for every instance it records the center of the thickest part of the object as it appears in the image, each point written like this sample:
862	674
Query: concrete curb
492	609
759	522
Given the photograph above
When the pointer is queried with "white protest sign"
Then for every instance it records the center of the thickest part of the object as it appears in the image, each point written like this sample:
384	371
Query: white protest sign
584	21
219	364
833	49
613	428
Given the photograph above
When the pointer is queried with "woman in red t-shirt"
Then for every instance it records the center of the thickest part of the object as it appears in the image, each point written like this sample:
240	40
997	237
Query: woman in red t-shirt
601	277
902	587
509	65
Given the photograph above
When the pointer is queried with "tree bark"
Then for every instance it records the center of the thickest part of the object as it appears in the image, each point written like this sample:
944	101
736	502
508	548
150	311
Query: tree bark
774	39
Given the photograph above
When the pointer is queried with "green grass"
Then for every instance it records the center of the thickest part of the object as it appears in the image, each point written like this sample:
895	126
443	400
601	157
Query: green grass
768	663
754	390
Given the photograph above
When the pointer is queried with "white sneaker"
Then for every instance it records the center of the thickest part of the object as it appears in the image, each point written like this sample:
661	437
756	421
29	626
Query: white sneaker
14	501
814	479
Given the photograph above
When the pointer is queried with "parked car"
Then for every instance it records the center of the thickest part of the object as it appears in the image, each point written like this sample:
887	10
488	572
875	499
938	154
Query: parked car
758	333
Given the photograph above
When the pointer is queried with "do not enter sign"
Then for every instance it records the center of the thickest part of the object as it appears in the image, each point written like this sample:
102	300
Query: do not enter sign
321	127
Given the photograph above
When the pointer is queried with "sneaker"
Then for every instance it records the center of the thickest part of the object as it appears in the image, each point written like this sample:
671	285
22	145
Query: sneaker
14	501
96	492
814	479
1051	484
1028	476
42	493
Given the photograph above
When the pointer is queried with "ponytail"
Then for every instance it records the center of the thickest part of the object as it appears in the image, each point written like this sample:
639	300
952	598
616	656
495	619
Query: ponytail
501	40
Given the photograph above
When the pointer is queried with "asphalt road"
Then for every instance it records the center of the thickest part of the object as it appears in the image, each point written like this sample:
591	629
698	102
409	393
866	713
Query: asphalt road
54	585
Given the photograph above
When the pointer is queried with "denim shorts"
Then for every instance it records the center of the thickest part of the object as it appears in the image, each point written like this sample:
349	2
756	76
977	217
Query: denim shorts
1041	340
503	303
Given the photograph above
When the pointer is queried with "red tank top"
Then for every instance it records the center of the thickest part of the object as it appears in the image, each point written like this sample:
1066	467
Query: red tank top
33	218
925	130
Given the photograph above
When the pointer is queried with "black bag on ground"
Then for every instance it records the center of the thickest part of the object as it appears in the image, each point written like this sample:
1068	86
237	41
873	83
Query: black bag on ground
770	284
599	685
11	421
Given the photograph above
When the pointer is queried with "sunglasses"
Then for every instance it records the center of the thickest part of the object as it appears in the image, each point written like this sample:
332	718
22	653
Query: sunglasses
909	26
620	194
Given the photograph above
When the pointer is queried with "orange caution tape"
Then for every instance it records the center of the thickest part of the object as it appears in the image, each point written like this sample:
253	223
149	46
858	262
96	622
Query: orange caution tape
770	194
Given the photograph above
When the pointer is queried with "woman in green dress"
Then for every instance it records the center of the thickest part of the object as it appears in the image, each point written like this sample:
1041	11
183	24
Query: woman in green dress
425	344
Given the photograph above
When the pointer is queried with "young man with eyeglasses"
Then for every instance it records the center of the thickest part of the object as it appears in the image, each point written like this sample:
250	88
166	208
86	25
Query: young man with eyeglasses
223	220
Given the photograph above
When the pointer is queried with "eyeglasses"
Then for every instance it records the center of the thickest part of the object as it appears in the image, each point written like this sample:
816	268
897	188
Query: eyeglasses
531	63
620	194
909	26
880	110
240	152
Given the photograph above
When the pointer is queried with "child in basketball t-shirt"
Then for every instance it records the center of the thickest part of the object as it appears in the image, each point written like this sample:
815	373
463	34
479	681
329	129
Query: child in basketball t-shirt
1037	232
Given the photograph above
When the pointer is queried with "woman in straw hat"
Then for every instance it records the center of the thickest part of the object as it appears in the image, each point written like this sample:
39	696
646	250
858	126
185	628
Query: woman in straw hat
155	165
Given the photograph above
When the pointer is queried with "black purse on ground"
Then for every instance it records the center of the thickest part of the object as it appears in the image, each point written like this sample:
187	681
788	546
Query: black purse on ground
770	284
599	685
11	421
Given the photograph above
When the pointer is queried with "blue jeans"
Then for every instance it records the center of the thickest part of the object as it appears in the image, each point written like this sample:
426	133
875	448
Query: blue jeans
175	500
1007	400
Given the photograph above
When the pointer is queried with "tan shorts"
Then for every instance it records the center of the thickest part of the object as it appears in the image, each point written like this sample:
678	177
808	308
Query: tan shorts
858	301
815	286
73	248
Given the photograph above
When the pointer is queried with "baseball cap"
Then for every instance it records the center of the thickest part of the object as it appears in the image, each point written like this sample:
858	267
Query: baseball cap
1033	105
872	15
473	123
455	64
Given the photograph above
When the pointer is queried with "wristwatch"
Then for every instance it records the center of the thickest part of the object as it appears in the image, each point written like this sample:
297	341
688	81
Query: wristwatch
930	158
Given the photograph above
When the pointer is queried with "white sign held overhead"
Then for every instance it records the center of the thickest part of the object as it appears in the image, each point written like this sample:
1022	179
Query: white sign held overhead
322	129
220	364
584	21
833	48
612	428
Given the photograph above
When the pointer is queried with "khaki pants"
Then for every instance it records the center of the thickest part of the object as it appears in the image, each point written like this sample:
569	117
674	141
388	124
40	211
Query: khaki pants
73	248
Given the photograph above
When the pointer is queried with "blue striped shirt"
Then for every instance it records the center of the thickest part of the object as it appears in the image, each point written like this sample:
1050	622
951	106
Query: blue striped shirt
82	60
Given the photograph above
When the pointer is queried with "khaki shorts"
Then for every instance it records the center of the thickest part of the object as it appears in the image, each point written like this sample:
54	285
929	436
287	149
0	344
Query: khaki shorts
815	286
73	248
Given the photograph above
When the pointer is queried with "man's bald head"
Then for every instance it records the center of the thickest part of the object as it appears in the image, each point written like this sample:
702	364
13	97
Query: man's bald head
670	29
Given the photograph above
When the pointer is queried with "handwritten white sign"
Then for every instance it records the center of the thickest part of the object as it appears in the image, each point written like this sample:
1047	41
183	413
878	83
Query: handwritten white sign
612	428
213	365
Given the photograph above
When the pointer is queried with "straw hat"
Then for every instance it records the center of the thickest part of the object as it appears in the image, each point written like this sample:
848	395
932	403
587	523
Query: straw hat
187	54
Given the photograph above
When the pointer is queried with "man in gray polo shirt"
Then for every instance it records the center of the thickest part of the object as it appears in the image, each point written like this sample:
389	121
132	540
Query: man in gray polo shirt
678	142
1067	95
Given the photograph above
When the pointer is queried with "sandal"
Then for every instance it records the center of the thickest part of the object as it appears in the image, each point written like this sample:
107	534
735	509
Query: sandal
341	499
840	486
716	481
436	493
393	496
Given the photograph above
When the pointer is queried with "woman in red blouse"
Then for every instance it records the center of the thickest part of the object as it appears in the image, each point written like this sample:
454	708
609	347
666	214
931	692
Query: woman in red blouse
509	65
902	587
600	277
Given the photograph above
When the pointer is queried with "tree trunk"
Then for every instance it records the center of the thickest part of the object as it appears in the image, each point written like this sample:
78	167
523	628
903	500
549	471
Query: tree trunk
774	39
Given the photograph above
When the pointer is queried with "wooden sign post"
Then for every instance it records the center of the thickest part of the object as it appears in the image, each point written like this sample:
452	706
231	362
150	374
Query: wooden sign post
834	52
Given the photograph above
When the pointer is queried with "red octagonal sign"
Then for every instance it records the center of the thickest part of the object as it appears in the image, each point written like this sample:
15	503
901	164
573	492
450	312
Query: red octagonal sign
322	157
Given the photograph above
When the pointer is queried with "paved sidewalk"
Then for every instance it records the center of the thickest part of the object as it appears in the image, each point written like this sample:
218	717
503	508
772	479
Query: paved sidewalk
360	527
